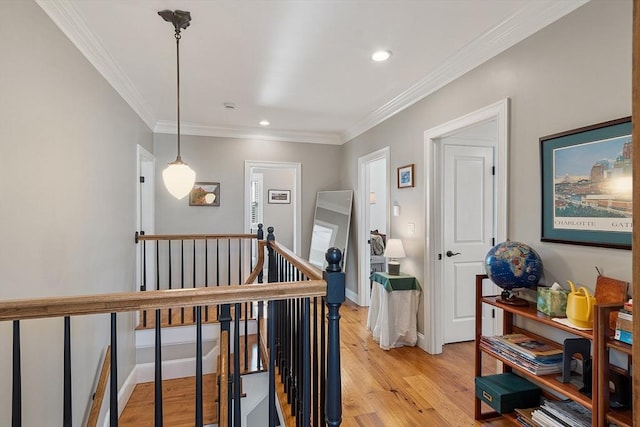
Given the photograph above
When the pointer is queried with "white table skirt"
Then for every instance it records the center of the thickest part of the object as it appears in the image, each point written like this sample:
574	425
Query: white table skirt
393	317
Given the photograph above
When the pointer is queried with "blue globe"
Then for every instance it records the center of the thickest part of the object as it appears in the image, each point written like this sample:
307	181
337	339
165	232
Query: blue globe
513	265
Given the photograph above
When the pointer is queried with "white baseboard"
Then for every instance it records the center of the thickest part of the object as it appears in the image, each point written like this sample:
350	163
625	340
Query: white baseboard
179	368
422	342
351	296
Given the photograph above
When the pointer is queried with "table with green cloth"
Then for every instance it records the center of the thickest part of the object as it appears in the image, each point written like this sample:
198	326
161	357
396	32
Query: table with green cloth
393	313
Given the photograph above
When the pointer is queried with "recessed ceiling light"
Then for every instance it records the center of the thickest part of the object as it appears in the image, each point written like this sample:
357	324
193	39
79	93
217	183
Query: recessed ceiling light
264	123
381	55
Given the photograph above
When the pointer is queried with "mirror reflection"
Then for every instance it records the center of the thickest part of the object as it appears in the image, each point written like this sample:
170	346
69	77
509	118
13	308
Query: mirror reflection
330	225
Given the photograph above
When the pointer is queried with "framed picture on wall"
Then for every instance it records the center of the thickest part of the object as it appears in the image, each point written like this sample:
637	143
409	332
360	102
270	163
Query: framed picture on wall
205	194
405	176
279	196
587	185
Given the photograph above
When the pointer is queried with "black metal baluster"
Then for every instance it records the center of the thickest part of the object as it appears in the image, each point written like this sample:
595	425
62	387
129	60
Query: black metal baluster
16	389
158	422
193	310
273	416
218	273
144	279
323	363
113	377
259	334
314	358
182	277
199	416
67	414
260	237
236	368
206	275
170	280
306	369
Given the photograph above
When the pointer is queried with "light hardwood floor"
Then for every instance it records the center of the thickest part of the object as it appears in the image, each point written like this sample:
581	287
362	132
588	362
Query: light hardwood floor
404	386
401	387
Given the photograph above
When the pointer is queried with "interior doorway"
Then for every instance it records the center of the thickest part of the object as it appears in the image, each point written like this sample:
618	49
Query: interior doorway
468	153
286	178
145	209
373	208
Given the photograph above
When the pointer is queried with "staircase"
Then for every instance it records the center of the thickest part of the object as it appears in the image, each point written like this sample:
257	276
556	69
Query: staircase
178	386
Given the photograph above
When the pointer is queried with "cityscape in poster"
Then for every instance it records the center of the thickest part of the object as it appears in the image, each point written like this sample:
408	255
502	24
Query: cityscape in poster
593	186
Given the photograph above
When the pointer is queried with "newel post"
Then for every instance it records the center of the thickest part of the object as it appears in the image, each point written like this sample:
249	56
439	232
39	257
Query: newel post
260	236
334	277
272	272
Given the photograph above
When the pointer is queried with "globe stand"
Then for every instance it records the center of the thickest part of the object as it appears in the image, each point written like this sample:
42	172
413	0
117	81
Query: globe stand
507	297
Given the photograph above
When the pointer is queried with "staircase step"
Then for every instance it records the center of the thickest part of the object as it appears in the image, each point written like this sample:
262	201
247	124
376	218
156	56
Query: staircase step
184	316
178	403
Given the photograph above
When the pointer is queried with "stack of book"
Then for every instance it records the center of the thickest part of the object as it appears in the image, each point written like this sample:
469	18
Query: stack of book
525	352
561	414
624	324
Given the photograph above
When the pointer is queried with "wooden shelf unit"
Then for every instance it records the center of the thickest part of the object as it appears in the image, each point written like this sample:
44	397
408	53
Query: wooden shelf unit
545	381
603	342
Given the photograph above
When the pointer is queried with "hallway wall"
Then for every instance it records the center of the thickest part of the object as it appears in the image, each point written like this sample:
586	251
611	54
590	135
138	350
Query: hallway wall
67	208
566	76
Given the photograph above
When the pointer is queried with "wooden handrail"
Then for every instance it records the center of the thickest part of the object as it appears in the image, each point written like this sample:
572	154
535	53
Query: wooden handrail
305	267
259	263
195	236
131	301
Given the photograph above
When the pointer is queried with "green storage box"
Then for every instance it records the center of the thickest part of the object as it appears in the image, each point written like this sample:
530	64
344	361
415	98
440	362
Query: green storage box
506	392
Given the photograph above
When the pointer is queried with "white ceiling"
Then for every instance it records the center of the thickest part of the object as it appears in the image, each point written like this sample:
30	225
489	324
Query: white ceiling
304	65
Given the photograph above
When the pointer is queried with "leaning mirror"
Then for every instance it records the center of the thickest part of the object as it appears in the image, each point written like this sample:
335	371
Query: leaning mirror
330	225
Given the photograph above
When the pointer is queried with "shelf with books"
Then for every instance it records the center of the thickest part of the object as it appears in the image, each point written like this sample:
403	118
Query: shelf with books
603	342
549	382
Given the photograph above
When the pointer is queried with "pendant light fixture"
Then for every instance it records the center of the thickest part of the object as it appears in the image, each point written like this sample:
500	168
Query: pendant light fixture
178	177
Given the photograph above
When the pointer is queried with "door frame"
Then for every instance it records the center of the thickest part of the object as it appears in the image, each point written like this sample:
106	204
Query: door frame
144	161
296	196
364	257
432	340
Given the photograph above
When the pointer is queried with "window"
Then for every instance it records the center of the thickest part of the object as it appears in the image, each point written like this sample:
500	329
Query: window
257	201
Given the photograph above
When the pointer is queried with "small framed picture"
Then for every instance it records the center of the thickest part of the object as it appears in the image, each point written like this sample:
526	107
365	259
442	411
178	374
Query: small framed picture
405	176
205	194
279	196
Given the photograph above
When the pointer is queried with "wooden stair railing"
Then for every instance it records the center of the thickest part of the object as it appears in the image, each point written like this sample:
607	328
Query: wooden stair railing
98	396
293	284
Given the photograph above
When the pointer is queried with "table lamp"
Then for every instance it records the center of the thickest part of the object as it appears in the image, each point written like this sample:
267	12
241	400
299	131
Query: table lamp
394	250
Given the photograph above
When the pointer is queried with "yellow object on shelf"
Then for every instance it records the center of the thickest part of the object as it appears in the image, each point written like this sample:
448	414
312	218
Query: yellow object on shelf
580	306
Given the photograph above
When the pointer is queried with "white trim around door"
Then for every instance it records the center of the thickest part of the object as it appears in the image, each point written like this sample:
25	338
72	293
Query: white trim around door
296	196
432	340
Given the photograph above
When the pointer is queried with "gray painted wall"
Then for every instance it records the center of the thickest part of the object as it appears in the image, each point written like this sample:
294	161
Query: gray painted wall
222	160
573	73
276	215
67	209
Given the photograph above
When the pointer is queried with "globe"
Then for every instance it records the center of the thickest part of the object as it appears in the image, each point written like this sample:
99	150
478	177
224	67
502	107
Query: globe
513	265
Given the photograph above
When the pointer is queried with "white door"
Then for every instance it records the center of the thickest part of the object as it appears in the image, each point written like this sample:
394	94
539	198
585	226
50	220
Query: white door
468	221
145	224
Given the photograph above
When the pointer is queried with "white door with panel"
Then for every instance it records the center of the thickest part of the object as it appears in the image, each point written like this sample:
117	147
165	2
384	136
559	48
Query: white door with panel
468	230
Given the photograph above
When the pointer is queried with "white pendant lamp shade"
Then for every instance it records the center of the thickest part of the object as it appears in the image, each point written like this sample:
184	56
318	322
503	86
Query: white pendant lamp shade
178	178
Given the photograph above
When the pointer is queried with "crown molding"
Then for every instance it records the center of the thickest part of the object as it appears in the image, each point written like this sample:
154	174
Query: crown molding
520	25
69	21
169	127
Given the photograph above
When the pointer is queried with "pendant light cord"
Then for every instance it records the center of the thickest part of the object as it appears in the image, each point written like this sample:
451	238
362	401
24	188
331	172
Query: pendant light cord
178	36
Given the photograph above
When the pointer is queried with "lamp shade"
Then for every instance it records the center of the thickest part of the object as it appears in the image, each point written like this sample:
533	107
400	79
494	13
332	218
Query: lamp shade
178	178
394	249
